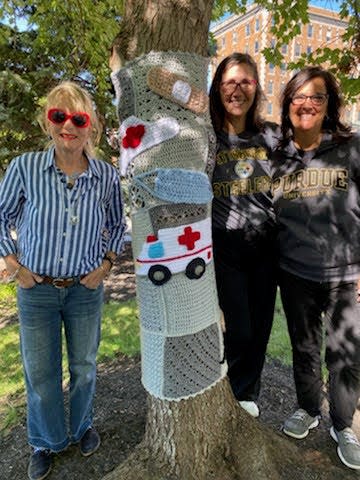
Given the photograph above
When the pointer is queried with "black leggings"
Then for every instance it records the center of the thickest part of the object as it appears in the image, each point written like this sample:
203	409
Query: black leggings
307	306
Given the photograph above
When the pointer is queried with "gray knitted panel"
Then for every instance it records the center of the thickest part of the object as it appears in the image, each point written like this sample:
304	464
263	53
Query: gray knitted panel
171	215
180	63
193	362
190	145
124	93
181	306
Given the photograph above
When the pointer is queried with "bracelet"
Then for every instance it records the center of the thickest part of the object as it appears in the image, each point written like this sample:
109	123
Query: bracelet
15	274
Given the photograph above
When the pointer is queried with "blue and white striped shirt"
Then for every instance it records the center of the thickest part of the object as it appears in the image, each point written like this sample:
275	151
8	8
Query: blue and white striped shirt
60	232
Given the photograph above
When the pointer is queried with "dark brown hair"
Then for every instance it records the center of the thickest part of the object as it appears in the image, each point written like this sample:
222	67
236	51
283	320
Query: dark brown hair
217	110
332	121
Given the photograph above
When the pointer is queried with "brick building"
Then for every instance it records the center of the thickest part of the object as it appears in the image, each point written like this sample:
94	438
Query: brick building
251	33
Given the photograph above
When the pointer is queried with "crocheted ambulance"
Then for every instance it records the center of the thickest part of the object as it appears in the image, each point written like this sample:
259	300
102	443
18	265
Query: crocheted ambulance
187	248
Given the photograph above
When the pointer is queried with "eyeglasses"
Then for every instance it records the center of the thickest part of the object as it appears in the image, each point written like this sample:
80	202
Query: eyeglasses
230	86
58	116
318	99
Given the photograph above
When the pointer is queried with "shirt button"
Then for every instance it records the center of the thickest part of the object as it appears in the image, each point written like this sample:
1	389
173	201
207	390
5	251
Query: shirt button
61	259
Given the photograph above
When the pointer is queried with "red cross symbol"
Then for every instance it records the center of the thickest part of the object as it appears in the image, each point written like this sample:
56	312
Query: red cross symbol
189	238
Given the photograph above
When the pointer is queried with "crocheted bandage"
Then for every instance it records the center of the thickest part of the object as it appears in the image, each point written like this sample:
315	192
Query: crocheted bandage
177	89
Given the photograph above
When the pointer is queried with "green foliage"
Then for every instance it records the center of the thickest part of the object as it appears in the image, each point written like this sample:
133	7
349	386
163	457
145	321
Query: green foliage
46	41
41	44
221	7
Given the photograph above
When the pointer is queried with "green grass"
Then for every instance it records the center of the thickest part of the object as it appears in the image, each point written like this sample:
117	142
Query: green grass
120	334
279	344
119	331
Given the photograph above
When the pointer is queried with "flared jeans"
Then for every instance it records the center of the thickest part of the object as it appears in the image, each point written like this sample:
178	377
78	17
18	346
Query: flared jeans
47	314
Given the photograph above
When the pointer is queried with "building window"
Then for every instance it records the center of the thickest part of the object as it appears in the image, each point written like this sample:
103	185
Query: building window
308	49
283	67
272	43
270	88
247	50
256	47
223	42
235	36
269	108
328	35
297	50
309	30
257	25
247	29
284	49
271	68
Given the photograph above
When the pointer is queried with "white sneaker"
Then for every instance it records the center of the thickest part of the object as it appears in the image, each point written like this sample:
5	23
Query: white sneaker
250	407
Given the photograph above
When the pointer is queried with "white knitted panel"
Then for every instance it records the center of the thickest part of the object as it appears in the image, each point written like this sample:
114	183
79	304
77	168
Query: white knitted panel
152	362
181	306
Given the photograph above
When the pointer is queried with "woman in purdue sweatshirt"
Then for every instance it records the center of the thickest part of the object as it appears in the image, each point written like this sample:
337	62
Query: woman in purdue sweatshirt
316	185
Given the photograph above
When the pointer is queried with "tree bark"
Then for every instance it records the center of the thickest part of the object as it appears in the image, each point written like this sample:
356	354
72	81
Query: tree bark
164	25
207	436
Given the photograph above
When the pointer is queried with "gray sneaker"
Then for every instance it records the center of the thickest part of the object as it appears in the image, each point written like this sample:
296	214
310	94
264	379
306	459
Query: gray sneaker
299	424
348	447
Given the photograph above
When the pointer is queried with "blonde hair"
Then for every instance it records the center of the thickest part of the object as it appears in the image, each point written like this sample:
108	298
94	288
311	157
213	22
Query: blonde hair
70	95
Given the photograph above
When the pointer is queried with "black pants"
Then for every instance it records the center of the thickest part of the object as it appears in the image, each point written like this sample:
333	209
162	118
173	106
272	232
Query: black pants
246	282
307	306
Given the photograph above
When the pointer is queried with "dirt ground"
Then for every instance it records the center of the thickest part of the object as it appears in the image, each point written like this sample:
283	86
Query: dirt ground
120	410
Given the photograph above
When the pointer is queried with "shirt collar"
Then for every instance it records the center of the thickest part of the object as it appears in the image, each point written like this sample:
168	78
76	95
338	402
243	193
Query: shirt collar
93	169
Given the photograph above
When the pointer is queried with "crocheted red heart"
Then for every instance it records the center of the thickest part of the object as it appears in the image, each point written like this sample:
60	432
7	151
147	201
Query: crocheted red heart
133	136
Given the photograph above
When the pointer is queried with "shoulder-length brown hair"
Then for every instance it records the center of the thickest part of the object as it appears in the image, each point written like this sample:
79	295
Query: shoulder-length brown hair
217	110
332	122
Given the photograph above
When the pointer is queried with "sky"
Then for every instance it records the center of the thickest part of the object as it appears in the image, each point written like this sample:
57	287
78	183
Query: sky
328	4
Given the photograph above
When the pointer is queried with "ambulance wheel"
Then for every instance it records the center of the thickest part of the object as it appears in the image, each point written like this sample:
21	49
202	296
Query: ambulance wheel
159	274
195	269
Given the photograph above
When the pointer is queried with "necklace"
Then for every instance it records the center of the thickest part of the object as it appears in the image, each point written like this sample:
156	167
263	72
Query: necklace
67	192
71	179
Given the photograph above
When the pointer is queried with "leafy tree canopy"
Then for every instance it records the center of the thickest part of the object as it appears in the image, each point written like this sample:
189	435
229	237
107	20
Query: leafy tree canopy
49	40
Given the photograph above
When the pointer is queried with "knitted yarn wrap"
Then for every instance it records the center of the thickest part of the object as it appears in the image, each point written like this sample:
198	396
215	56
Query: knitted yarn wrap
167	152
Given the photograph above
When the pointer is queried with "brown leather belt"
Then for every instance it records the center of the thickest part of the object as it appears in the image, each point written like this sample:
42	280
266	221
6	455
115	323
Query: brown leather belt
61	282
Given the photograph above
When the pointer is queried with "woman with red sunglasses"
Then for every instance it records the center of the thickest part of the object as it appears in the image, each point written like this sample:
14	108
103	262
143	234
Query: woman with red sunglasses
67	209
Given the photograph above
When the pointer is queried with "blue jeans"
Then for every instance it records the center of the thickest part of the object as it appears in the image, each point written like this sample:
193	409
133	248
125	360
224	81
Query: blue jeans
43	309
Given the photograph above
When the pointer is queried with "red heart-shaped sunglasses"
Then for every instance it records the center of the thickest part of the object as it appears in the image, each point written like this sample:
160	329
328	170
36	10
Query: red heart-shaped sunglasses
58	116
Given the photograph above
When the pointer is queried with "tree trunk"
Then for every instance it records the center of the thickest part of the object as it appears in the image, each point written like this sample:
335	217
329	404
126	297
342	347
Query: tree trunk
195	429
